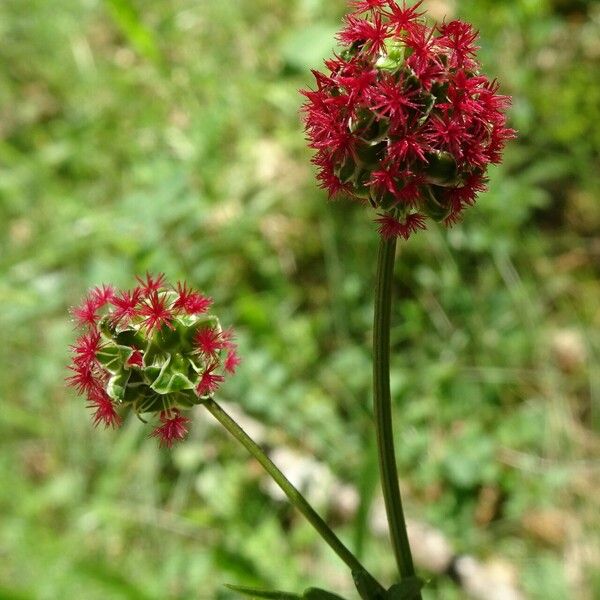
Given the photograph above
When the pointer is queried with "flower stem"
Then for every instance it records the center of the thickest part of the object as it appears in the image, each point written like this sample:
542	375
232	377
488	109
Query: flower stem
383	407
295	497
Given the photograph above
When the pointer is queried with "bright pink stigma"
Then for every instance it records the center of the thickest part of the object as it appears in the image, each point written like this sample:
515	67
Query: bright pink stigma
209	341
390	227
173	428
125	305
232	360
151	283
190	301
104	409
156	312
209	382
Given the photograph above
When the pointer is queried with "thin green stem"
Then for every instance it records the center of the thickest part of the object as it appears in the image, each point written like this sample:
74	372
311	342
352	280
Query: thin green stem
295	497
383	407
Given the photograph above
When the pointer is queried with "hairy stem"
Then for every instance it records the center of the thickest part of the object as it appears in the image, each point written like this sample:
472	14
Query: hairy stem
295	497
383	407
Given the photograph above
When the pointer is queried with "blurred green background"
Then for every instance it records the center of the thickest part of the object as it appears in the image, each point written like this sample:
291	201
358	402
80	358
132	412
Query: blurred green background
164	135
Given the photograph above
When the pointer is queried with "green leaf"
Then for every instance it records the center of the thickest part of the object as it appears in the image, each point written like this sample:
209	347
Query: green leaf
367	587
319	594
173	376
309	594
407	589
138	35
115	584
252	593
113	357
117	385
12	594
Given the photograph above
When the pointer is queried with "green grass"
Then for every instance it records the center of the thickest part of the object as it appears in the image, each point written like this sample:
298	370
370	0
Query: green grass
165	136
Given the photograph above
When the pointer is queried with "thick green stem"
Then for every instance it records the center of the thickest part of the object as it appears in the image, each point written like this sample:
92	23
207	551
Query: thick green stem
295	497
383	407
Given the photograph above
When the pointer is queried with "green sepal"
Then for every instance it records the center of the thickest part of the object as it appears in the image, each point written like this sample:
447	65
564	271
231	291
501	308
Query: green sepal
407	589
440	90
154	356
370	127
385	63
429	104
186	399
155	362
393	58
150	402
351	51
135	392
386	200
190	325
117	385
369	154
346	171
442	170
252	593
362	120
107	328
130	337
167	339
114	358
361	187
376	132
433	204
172	382
173	376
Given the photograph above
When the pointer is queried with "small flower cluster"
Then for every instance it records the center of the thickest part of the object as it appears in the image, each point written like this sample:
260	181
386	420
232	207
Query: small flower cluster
404	119
154	348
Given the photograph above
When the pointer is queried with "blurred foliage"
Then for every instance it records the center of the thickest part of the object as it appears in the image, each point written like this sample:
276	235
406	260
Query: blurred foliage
164	135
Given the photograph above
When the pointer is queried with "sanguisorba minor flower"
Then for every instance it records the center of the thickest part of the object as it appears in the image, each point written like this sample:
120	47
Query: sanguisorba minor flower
154	348
404	118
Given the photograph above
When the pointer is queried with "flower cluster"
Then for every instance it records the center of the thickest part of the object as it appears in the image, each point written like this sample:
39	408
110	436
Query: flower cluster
404	119
155	349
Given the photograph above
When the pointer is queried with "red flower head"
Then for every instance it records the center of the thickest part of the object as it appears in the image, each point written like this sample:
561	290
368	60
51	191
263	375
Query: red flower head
154	348
403	118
